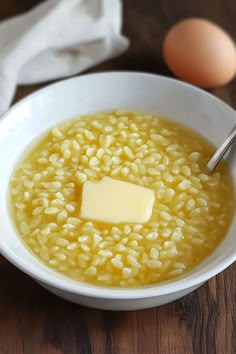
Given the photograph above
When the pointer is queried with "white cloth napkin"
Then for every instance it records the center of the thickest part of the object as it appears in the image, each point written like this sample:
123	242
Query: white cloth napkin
57	38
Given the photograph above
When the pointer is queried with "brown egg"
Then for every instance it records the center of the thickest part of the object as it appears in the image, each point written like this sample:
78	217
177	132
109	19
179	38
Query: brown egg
200	52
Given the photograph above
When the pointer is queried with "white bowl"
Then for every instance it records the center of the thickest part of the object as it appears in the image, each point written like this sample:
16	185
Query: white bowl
97	92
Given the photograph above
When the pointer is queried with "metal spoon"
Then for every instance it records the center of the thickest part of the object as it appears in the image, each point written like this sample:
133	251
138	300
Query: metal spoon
213	162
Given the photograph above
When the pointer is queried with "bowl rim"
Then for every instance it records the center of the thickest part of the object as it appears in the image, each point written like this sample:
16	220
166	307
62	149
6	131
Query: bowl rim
85	289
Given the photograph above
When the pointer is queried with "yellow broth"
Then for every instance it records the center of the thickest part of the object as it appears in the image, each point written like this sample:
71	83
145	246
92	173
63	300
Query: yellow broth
191	214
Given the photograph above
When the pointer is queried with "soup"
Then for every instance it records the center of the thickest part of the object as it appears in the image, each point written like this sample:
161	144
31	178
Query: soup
191	214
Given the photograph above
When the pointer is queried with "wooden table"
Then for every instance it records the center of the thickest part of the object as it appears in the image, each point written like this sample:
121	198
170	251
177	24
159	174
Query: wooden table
32	321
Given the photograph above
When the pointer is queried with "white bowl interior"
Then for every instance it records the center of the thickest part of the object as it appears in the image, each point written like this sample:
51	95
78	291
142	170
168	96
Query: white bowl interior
90	93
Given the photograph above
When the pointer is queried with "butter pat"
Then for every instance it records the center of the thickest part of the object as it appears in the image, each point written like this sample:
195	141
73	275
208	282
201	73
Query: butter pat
114	201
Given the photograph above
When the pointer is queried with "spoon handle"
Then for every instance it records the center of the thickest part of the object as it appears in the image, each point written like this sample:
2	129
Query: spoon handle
213	162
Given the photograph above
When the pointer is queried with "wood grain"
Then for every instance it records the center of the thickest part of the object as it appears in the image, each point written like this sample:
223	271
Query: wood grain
33	321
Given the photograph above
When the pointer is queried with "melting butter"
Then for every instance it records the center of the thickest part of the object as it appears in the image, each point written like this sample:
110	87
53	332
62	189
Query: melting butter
114	201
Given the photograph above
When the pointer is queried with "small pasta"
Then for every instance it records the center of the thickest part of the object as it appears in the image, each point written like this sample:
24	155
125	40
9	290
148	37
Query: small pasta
191	213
